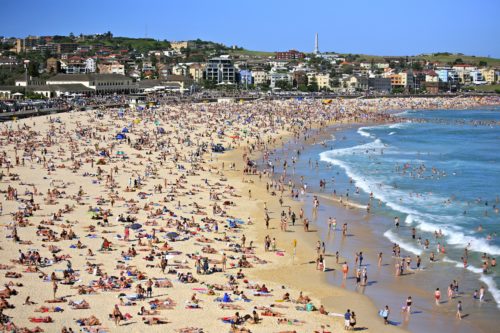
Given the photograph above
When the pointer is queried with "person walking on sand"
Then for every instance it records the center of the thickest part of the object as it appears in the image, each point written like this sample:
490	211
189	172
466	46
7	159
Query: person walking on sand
54	287
149	288
345	269
407	308
437	296
117	315
352	321
163	264
224	262
385	314
459	310
127	234
347	319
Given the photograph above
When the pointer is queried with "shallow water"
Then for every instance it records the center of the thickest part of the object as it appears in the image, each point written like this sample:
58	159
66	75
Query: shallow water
442	174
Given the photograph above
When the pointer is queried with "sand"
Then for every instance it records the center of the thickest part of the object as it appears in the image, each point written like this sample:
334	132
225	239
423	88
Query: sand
79	176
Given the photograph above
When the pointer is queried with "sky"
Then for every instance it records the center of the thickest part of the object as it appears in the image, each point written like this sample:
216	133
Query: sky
384	27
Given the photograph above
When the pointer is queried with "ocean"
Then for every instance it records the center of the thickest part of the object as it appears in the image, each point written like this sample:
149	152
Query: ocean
442	174
436	170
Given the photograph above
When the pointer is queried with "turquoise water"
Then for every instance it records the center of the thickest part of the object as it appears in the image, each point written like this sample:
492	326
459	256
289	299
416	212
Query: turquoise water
439	171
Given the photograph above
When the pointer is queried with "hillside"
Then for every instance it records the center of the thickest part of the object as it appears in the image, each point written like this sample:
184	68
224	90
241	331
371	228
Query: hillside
434	57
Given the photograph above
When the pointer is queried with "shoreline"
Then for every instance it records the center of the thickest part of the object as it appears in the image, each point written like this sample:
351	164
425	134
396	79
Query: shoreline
299	272
367	222
190	180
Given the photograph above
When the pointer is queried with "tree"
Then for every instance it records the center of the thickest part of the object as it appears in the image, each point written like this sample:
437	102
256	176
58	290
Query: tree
398	90
347	69
313	84
263	86
417	66
303	87
153	59
283	84
207	84
483	63
33	68
458	61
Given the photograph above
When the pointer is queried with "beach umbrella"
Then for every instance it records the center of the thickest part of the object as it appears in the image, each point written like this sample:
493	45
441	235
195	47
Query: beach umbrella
120	136
125	130
136	226
172	235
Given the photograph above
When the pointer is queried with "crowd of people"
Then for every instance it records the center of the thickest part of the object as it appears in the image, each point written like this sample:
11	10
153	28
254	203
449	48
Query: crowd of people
101	204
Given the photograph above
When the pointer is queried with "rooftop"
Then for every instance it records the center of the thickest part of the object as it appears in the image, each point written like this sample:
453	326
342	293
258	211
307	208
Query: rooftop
87	77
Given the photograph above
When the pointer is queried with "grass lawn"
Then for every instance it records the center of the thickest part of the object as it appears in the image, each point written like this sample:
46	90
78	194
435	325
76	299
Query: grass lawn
488	88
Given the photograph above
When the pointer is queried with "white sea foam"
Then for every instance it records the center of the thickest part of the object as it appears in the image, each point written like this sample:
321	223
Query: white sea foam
394	238
362	131
426	222
409	219
404	113
377	144
392	133
486	279
476	244
399	125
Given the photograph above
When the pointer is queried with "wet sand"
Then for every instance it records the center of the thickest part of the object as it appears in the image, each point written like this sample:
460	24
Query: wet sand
85	165
366	235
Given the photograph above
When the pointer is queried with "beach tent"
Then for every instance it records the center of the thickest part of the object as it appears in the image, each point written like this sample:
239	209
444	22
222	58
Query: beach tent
120	152
157	122
137	121
125	130
172	235
327	101
161	130
136	226
120	136
102	153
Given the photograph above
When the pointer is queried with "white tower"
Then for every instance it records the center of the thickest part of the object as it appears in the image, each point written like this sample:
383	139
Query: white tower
316	45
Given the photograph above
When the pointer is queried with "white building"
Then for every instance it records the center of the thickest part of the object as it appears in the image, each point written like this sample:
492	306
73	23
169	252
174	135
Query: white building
90	65
100	83
477	77
259	77
276	77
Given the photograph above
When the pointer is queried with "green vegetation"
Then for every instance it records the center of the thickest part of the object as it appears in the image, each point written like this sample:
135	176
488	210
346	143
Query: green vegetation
138	44
444	57
486	88
451	58
240	52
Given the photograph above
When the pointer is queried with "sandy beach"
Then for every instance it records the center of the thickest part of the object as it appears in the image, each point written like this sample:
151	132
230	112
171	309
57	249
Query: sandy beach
107	212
